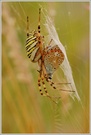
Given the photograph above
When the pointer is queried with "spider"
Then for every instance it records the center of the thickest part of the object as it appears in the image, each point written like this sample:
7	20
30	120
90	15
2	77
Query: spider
49	58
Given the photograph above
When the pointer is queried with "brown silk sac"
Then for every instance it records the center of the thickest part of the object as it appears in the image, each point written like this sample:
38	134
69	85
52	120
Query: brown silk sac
53	57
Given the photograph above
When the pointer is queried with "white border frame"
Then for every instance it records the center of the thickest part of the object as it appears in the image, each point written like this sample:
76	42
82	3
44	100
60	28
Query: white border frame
0	67
1	58
46	0
90	65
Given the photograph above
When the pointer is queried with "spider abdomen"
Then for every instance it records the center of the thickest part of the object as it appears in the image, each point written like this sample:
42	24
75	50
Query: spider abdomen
32	46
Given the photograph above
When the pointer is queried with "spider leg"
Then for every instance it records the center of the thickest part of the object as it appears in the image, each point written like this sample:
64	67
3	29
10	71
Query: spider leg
41	79
43	83
40	90
50	42
39	86
39	21
54	87
27	26
45	89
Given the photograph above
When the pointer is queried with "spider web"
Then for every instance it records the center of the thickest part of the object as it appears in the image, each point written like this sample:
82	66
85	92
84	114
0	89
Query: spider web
76	47
65	65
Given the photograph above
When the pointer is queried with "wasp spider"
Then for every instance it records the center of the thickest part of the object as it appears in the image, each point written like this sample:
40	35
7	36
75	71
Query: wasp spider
49	58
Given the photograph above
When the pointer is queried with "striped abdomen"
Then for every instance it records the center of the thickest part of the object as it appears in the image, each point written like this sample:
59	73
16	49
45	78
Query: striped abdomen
33	51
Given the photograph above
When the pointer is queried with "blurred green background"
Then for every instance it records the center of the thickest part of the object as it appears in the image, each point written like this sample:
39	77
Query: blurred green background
24	110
